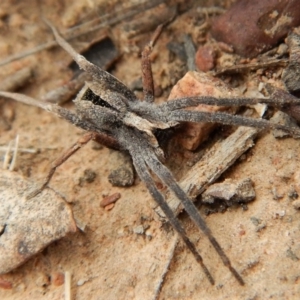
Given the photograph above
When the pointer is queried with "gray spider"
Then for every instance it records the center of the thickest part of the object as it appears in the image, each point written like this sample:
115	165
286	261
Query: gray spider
113	116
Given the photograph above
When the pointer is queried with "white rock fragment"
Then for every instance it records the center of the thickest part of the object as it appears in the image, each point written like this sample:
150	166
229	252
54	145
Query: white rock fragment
231	191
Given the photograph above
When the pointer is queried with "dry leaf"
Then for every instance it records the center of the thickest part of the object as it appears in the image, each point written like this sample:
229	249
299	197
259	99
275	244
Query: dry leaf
28	226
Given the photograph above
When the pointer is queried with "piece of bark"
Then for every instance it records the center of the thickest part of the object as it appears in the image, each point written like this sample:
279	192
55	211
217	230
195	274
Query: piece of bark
212	166
291	74
27	226
253	27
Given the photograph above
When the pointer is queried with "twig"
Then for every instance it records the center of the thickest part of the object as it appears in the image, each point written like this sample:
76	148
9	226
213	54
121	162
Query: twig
67	285
16	80
23	150
252	66
64	93
166	269
7	157
214	10
15	153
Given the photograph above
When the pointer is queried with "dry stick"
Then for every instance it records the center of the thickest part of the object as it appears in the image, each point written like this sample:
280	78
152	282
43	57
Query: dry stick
166	269
213	10
68	285
16	80
212	166
147	78
15	154
112	19
7	156
59	161
252	66
64	93
22	150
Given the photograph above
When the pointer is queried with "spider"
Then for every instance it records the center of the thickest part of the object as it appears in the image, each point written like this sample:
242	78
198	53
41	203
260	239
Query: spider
113	116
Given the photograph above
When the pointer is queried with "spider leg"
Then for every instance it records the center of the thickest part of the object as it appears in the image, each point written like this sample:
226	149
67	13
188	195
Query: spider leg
144	174
147	78
195	101
66	114
235	101
99	75
224	118
167	178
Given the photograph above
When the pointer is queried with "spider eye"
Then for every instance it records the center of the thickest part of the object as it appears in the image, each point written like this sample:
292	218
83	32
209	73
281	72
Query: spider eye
89	95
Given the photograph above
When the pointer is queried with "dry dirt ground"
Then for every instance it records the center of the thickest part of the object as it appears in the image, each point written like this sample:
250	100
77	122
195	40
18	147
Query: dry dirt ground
110	260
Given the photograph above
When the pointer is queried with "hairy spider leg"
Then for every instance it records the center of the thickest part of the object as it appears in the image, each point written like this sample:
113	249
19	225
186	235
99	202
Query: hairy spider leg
167	178
142	170
99	75
224	118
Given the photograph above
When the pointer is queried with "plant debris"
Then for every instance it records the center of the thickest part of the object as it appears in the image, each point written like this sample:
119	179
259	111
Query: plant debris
28	226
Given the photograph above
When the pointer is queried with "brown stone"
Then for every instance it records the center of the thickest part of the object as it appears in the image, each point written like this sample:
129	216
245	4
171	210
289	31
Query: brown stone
205	58
252	27
57	278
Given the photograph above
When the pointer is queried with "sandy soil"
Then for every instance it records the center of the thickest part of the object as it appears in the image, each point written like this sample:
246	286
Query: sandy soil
110	259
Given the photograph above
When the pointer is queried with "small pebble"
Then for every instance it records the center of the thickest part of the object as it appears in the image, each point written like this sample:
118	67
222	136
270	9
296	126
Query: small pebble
280	214
110	199
4	284
89	175
122	176
205	58
253	27
109	207
296	204
81	282
283	119
57	278
20	288
232	191
139	229
290	254
43	280
276	195
255	221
